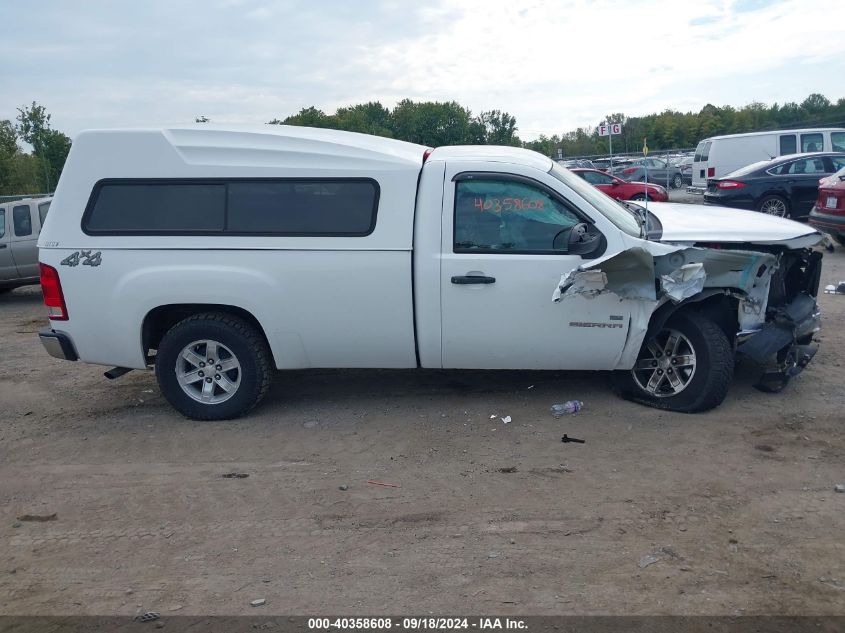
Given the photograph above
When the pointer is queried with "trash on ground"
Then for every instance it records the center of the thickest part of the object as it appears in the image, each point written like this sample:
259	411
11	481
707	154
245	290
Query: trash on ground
530	386
570	406
149	616
838	289
566	440
40	518
645	561
839	487
492	554
235	476
508	469
506	419
382	483
176	607
493	416
258	602
343	487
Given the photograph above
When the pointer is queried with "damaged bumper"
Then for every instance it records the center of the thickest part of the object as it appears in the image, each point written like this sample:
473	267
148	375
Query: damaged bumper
783	346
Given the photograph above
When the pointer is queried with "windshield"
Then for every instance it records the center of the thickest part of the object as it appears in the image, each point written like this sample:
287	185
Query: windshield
604	204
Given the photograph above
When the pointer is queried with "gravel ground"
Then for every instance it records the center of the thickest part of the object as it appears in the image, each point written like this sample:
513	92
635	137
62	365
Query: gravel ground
728	512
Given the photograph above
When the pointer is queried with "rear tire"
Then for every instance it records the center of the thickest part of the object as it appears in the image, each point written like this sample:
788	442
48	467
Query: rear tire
230	385
640	197
689	376
774	205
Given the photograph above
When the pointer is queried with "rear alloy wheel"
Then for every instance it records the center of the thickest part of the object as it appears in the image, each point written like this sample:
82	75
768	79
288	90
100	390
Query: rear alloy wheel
677	181
686	366
640	197
774	205
213	366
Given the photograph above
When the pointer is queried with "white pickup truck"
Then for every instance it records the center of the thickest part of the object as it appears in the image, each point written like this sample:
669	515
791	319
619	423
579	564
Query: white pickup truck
216	255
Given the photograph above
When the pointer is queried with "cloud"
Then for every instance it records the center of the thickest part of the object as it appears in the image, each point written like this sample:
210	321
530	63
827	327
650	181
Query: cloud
555	65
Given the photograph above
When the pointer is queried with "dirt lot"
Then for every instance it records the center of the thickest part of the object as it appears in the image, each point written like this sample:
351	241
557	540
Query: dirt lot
736	506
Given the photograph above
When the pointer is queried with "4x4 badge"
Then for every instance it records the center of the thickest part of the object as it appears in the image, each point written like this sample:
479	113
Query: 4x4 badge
86	258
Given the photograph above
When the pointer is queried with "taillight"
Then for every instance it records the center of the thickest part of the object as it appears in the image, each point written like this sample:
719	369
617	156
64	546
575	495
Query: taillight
427	153
730	184
54	299
629	170
711	172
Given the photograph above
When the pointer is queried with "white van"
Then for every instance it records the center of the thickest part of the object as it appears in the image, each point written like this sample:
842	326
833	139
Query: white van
720	155
216	255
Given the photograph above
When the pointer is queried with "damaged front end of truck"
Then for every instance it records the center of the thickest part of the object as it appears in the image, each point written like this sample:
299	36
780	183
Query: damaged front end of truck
760	295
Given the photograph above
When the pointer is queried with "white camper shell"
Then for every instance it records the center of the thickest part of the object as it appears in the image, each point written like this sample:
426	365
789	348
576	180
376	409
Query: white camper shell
719	155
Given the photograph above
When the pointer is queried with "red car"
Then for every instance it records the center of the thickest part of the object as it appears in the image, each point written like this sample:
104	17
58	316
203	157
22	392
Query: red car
622	189
829	213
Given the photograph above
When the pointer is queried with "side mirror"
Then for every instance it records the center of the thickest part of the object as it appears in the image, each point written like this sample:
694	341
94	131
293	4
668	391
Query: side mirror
615	183
584	239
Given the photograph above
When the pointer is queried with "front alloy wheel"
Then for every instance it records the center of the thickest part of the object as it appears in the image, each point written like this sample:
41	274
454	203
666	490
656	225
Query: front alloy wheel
666	365
686	366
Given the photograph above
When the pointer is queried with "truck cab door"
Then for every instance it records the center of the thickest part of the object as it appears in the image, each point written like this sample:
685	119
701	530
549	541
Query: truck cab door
24	244
504	247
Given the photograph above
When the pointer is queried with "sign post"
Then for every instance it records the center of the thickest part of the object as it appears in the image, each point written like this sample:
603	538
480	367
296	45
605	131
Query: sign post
645	171
608	130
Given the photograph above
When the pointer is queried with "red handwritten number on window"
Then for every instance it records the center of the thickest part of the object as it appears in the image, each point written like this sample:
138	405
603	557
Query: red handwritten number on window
498	205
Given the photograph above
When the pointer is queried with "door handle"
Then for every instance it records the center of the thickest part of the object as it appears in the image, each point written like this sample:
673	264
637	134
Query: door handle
463	280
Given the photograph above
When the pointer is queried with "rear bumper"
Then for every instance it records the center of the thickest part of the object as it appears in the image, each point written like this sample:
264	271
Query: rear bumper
58	344
826	222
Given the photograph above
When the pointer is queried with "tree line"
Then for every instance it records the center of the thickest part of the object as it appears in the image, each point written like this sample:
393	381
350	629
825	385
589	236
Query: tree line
671	129
37	171
449	123
436	123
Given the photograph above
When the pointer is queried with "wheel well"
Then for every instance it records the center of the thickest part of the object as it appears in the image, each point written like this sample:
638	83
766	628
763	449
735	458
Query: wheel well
719	308
159	320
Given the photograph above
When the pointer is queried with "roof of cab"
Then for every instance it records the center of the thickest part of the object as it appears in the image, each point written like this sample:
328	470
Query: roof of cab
221	145
493	153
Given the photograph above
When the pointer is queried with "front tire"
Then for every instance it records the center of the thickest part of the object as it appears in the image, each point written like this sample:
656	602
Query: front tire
687	367
640	197
677	181
774	205
213	366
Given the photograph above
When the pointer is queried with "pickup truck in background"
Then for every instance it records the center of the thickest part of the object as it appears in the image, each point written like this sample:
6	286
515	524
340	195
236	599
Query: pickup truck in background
20	225
216	255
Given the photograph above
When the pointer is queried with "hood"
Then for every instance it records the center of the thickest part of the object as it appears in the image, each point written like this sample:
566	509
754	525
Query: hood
708	223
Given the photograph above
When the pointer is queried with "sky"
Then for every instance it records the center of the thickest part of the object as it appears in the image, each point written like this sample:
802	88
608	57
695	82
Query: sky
554	64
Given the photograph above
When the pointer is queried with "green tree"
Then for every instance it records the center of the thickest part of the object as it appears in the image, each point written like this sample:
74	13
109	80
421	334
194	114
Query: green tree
49	146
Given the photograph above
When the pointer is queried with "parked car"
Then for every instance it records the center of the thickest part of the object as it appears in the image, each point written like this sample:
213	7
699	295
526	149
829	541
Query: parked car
652	170
787	187
217	255
20	225
685	167
720	155
622	189
828	214
580	162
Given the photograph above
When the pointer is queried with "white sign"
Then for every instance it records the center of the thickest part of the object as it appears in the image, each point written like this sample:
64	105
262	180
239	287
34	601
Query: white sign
606	129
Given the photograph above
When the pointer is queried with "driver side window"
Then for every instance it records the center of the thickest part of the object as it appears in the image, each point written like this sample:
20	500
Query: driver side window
501	215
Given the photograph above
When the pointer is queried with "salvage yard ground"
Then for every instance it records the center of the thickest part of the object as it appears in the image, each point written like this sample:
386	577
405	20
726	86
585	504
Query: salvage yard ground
728	512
